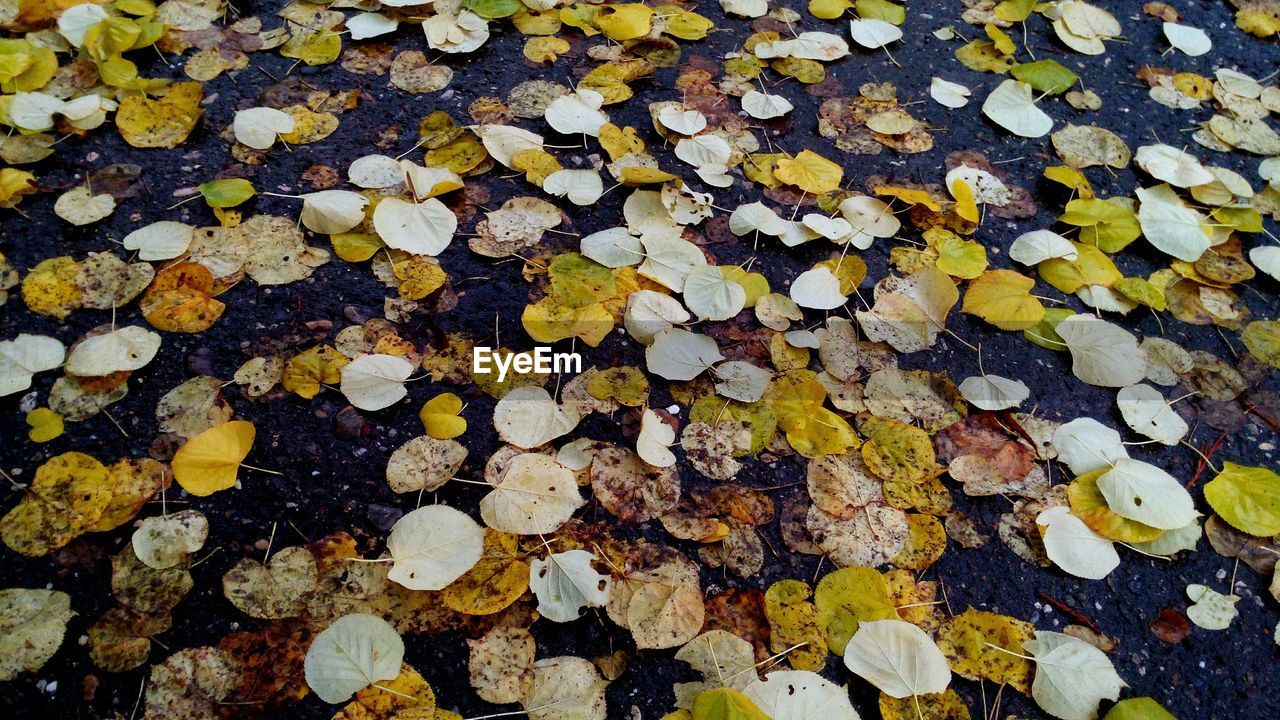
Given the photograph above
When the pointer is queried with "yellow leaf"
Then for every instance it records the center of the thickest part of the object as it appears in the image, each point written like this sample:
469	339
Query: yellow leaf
626	385
809	72
545	49
935	706
316	48
810	172
355	247
493	583
461	155
982	55
849	270
580	16
419	276
210	461
1262	338
132	483
538	22
1091	267
45	425
966	638
309	126
67	496
926	541
793	621
1003	298
1259	22
966	206
625	22
811	429
1014	11
440	418
725	704
14	184
162	123
51	288
1003	43
631	176
757	285
536	164
1072	178
684	24
910	196
180	299
850	596
828	9
407	696
896	451
957	257
620	141
307	371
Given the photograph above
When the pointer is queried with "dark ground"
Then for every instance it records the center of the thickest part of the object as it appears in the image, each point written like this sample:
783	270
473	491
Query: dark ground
332	484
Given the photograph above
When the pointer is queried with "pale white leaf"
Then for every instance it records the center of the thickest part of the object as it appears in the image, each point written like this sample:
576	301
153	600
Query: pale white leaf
898	658
873	33
1102	353
75	22
504	141
433	546
333	211
992	392
424	228
163	541
528	417
259	127
1084	445
128	348
1211	609
1074	547
684	122
1171	165
763	106
353	653
669	258
1035	247
613	248
565	583
654	442
23	357
711	295
649	313
1147	412
949	94
163	240
374	382
1143	492
800	695
577	113
1012	106
375	172
1190	40
1267	259
1170	225
534	495
581	187
818	289
742	381
1072	676
677	354
368	24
